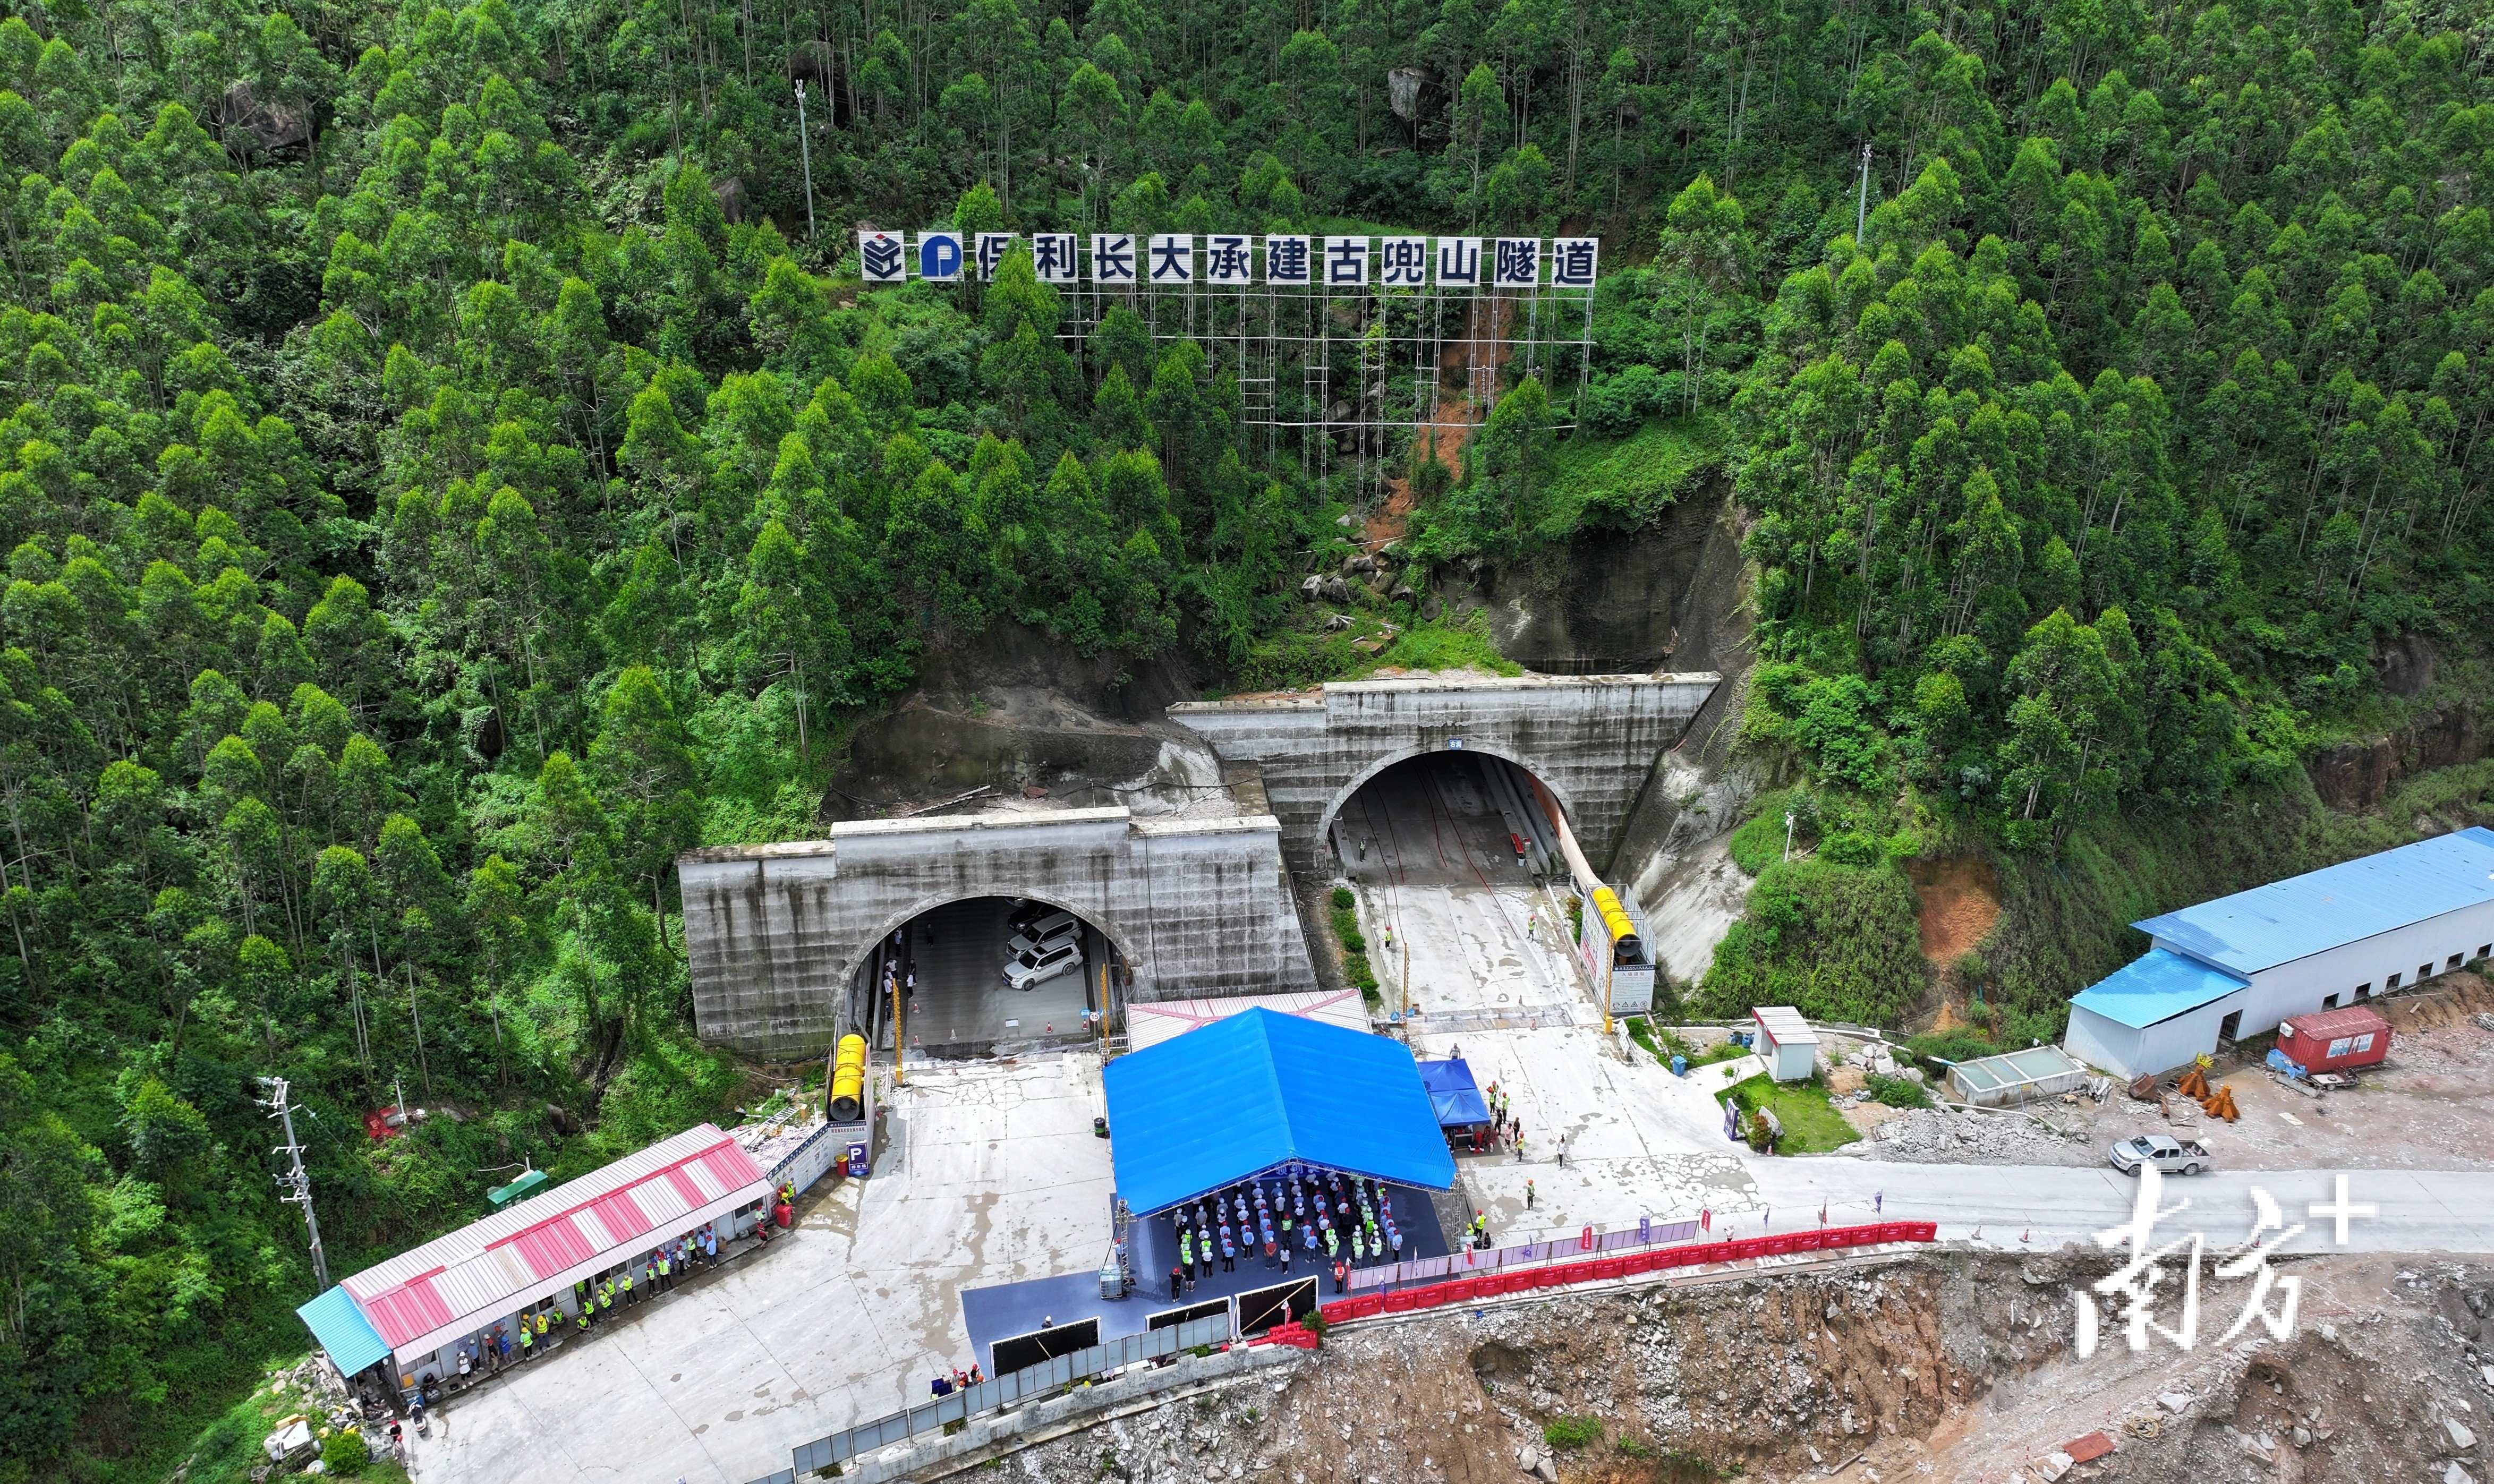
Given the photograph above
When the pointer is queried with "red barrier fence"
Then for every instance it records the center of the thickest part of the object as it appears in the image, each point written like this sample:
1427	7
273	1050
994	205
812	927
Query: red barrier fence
1562	1274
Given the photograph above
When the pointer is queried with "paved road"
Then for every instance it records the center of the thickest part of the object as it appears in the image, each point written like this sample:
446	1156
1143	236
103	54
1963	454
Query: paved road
2418	1211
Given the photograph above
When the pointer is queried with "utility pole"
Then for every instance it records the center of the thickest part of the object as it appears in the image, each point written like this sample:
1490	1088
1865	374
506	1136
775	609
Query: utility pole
1788	830
806	157
297	1181
1862	198
899	1045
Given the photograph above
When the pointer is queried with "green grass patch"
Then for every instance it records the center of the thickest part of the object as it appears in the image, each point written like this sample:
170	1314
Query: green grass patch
1299	657
1567	1434
1669	1044
1619	483
1355	966
1897	1091
1643	1035
1463	646
1759	842
1811	1123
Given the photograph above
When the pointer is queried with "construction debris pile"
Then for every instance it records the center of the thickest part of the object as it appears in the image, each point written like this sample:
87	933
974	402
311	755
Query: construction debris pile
1933	1136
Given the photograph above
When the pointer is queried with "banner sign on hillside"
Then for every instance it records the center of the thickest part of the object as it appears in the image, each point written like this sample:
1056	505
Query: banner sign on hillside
1237	260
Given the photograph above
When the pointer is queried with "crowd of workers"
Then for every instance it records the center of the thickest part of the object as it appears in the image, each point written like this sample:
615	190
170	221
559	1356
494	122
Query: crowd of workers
593	1301
1323	1218
1504	1130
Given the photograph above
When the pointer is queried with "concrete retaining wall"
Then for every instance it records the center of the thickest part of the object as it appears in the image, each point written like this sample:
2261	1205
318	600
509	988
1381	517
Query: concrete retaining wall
1199	909
1590	738
926	1456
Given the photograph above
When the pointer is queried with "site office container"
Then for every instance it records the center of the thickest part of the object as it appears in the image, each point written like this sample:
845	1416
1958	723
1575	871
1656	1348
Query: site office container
2334	1040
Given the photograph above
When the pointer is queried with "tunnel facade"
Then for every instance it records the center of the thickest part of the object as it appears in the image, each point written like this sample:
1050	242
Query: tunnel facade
1198	908
1591	740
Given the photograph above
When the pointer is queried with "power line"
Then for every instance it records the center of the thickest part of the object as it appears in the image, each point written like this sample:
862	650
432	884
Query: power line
296	1182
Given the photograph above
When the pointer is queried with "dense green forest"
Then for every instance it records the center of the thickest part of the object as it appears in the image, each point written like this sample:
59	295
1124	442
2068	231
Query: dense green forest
446	478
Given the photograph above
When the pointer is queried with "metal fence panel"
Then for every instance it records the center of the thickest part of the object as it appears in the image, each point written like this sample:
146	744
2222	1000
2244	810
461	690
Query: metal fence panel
1211	1329
821	1453
1011	1386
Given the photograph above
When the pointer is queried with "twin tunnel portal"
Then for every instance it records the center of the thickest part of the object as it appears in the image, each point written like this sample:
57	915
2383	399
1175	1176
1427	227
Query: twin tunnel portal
964	934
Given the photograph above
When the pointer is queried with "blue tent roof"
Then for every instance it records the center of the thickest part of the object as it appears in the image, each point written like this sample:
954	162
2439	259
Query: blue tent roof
2156	986
1258	1090
343	1331
1455	1094
2338	904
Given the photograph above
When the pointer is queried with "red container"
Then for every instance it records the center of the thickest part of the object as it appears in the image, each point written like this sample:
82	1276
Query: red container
2334	1039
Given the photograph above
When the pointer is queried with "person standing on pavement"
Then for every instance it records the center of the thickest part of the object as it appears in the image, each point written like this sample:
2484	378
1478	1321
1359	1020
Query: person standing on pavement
1339	1270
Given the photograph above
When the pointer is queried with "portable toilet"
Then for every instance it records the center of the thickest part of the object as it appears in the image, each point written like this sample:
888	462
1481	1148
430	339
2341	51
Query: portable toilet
1785	1042
2334	1039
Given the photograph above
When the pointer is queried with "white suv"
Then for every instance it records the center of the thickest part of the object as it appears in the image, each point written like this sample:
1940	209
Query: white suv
1042	964
1046	932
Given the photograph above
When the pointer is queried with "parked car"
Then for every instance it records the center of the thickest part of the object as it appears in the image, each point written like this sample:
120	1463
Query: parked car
1042	964
1027	910
1046	932
2171	1155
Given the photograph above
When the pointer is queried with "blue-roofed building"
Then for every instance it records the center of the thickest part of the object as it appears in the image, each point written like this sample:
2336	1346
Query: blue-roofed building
2238	965
1243	1097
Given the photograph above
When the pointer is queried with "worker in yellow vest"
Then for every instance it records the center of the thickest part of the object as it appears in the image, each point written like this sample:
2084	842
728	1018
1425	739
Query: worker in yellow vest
624	1287
528	1339
666	1272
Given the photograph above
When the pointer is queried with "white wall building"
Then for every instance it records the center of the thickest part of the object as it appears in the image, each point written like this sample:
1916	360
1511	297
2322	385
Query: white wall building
1785	1042
2238	965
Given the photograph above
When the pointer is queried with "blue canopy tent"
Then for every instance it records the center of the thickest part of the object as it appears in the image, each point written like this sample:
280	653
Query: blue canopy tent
343	1330
1455	1094
1248	1095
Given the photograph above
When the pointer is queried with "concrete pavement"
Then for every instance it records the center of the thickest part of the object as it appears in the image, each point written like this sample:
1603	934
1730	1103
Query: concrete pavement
992	1176
2417	1211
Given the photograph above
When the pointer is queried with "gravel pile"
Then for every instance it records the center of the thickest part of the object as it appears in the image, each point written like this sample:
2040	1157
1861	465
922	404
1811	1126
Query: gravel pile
1938	1137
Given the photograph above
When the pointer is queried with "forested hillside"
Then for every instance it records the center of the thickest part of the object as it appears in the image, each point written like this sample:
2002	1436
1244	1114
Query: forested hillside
444	477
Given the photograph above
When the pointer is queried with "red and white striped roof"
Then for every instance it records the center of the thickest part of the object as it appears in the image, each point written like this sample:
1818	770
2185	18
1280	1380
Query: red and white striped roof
453	1286
1151	1023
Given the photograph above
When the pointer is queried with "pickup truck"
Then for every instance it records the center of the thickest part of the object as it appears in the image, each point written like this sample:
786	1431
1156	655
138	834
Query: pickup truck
2170	1155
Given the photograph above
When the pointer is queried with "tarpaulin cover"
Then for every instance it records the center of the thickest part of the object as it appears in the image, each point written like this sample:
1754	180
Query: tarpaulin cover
1258	1090
343	1331
1455	1094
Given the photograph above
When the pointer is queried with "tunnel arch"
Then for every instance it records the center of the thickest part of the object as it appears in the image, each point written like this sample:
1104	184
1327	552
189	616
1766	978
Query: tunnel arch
1097	921
1343	796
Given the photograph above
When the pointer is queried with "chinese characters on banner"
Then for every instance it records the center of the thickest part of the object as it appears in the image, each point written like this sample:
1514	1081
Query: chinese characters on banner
992	247
2133	1286
1056	257
1236	260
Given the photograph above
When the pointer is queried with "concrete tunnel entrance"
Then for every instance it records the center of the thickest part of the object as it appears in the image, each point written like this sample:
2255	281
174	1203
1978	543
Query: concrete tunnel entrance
1446	818
1447	853
984	974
